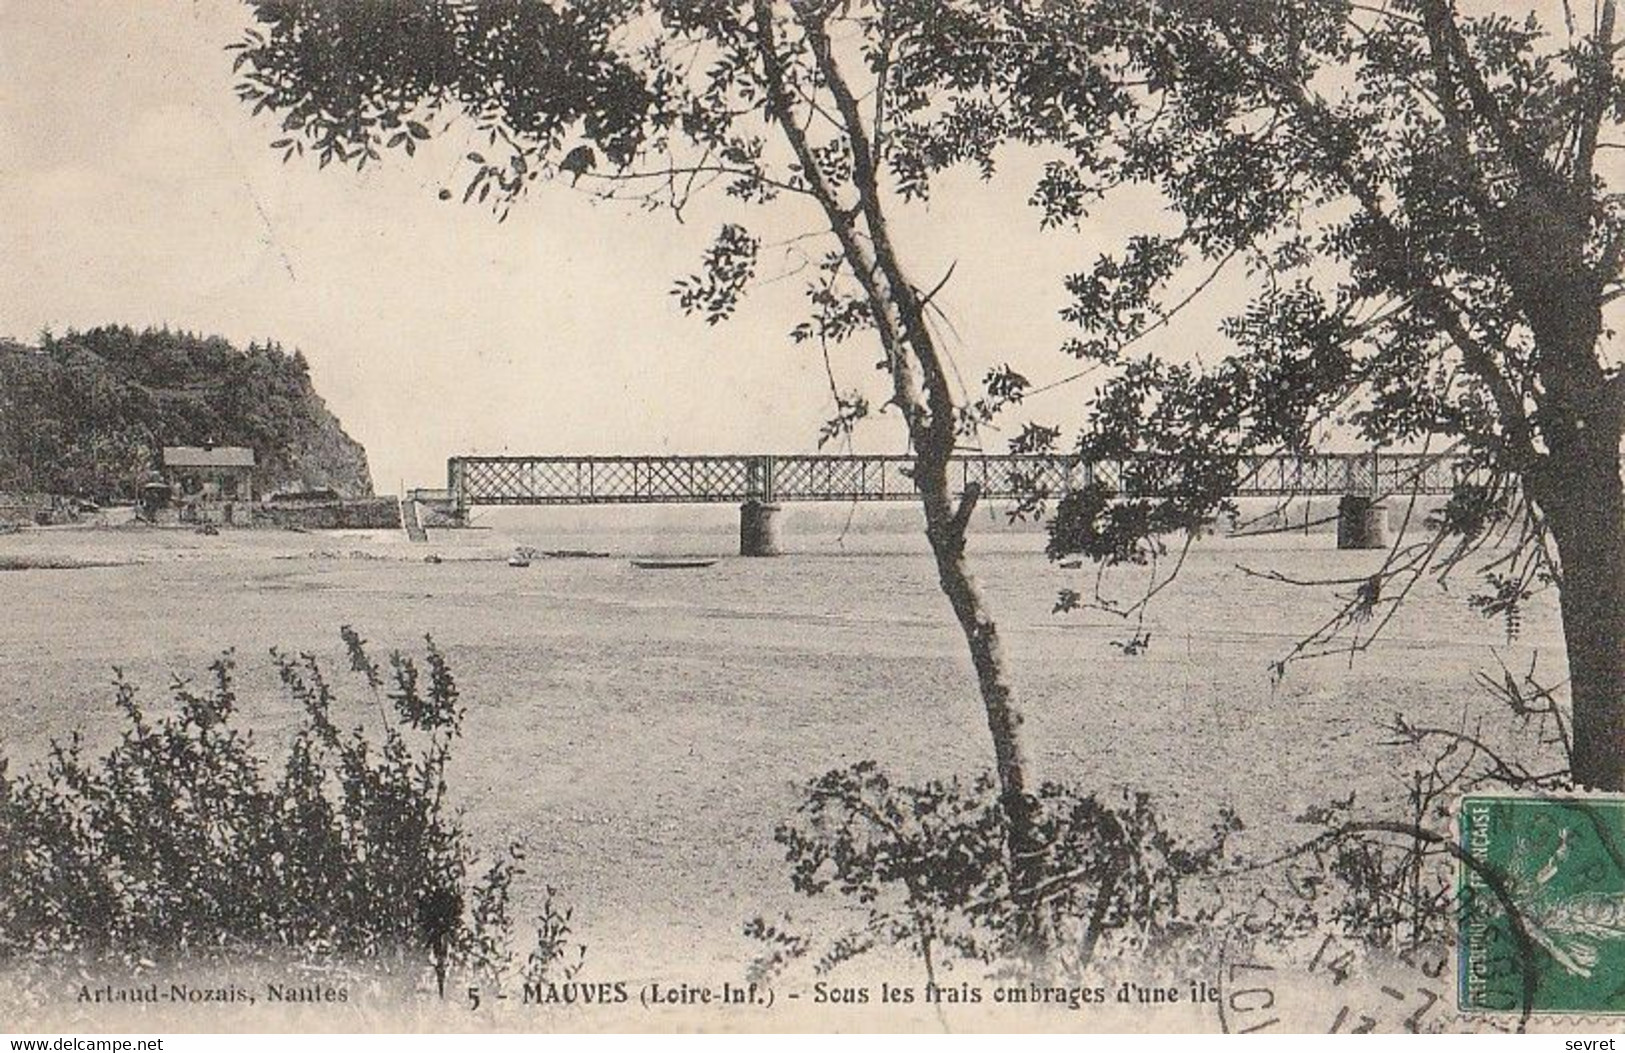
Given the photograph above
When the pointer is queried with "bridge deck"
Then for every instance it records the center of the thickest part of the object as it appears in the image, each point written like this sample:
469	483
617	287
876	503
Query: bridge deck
886	477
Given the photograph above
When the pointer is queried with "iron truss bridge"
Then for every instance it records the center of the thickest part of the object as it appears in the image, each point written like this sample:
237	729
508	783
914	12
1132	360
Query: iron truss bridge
593	480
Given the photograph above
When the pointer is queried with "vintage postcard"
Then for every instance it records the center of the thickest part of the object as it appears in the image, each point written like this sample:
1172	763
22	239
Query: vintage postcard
811	515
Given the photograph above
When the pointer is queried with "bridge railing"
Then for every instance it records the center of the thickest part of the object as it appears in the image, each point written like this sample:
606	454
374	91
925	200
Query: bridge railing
606	480
732	478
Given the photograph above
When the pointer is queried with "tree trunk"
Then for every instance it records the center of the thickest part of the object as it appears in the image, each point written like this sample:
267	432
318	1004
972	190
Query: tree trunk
926	403
1583	500
945	528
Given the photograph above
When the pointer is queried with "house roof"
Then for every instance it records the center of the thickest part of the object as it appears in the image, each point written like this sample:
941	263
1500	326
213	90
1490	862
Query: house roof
208	457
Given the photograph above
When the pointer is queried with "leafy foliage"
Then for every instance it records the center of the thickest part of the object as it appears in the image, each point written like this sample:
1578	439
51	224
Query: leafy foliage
541	71
729	266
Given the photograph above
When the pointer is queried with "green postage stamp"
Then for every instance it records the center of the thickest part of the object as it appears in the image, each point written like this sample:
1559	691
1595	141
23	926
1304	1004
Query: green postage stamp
1542	904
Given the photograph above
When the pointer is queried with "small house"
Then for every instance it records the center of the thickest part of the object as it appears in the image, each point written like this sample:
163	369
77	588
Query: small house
209	480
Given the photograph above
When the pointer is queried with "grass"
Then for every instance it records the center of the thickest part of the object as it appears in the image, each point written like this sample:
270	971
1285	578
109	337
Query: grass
53	563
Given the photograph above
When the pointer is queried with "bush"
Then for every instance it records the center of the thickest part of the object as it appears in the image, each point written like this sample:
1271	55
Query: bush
926	866
183	842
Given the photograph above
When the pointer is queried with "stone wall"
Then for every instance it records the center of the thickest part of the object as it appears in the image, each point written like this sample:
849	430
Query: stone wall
369	513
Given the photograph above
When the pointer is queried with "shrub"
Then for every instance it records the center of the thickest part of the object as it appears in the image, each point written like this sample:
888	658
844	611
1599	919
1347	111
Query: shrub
183	842
1388	878
926	866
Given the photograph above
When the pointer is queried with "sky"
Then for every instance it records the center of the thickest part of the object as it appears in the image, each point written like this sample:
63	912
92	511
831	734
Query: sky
136	189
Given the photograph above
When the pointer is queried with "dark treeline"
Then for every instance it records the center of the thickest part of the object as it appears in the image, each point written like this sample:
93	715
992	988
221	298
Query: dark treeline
86	413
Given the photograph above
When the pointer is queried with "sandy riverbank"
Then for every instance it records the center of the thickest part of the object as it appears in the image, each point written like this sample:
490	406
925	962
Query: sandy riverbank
643	731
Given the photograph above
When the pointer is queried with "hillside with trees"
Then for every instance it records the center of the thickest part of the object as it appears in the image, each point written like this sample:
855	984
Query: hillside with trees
87	413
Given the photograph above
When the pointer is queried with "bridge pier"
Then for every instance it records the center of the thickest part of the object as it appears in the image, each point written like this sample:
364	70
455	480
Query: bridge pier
1362	522
758	528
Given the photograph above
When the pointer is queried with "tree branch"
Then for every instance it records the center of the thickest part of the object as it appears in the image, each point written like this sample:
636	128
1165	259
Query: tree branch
865	176
1446	34
840	218
1596	100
